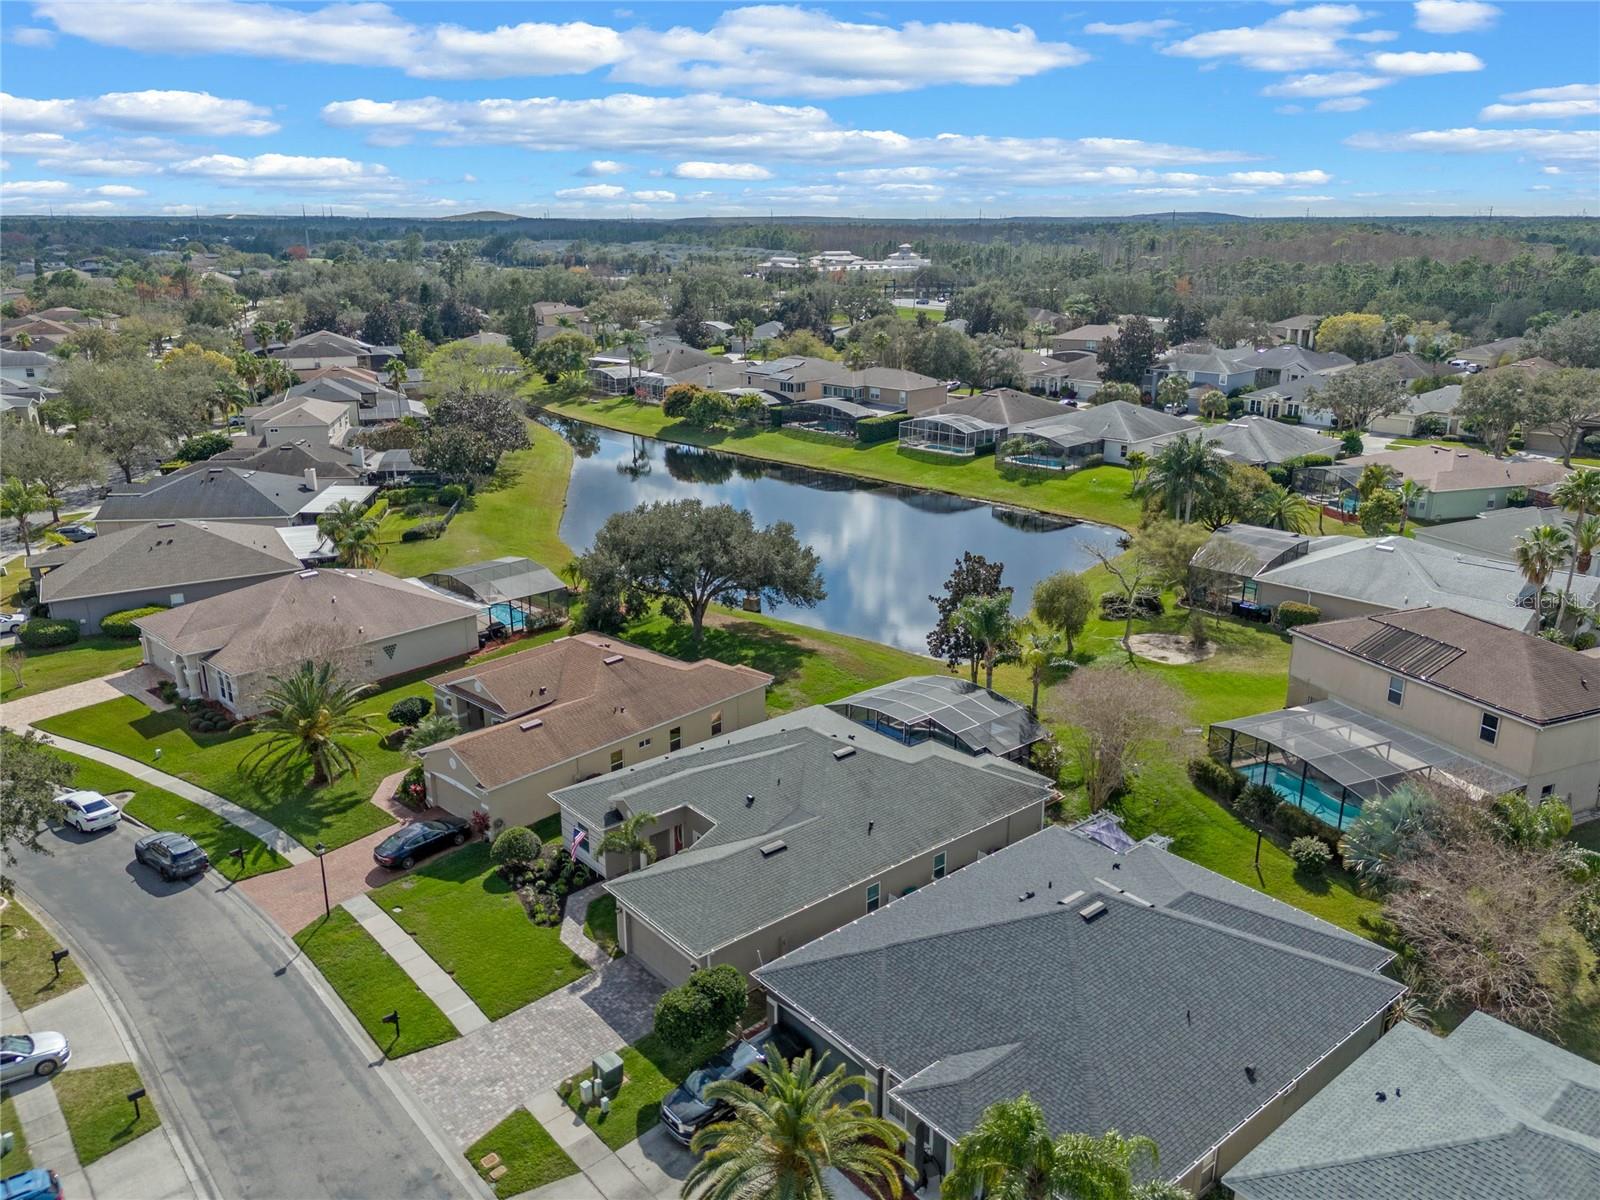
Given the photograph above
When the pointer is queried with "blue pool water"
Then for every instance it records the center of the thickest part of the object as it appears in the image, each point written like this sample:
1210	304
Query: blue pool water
1316	802
508	616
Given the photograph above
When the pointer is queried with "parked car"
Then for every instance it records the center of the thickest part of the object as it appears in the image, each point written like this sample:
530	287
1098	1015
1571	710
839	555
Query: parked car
31	1185
88	812
76	532
237	422
10	622
687	1109
174	855
403	847
25	1054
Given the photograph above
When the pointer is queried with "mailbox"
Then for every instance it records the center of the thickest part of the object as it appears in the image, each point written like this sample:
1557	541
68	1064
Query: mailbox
608	1073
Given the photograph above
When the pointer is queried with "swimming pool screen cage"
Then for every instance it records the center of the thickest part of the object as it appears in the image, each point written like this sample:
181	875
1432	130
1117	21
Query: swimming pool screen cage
948	710
948	433
1327	749
517	592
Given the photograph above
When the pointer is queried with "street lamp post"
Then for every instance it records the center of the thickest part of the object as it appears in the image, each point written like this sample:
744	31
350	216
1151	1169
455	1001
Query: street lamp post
319	850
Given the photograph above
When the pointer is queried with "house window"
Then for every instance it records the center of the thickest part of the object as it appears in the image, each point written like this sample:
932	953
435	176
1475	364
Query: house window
1490	503
1250	590
1397	690
644	743
716	722
938	865
675	738
872	897
1547	791
616	760
1489	728
225	686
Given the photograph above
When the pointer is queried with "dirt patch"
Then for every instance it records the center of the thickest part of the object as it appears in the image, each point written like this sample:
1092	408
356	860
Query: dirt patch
1175	649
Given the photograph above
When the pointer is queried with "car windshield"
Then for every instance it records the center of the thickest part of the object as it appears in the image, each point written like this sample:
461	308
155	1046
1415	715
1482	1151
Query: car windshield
16	1044
95	806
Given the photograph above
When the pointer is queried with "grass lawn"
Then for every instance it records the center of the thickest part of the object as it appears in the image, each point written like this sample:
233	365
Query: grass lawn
162	810
99	1116
649	1071
87	658
909	312
474	926
1097	494
1587	835
531	1156
600	924
19	1160
372	984
25	966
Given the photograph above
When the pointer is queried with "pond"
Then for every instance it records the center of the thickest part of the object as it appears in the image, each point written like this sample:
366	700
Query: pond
884	549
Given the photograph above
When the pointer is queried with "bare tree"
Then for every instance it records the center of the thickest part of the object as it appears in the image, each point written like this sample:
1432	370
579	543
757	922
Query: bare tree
1135	582
1121	718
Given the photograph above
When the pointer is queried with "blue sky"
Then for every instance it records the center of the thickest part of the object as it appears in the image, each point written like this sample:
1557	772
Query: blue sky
1442	106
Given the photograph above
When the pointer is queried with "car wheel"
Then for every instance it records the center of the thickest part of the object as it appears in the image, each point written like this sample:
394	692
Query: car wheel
166	874
408	862
47	1068
458	839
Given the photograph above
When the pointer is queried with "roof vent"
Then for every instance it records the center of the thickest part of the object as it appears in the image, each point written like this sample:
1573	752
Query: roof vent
166	524
750	800
843	752
1072	899
533	724
612	660
772	848
1092	911
307	574
543	690
1250	1073
1027	895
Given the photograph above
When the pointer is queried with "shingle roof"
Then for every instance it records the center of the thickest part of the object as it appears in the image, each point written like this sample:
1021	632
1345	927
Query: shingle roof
1436	400
1488	1111
595	691
1448	469
1117	421
1491	534
171	554
806	795
1258	440
1144	1019
286	458
215	493
1001	406
1499	667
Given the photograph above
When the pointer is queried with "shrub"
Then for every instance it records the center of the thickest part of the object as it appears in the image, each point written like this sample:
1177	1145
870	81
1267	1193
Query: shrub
1259	801
1427	427
706	1007
168	691
1292	613
121	624
450	493
413	789
544	908
1217	780
1584	641
1114	607
514	849
1293	821
424	530
1093	460
413	510
410	710
1311	854
202	446
41	632
27	590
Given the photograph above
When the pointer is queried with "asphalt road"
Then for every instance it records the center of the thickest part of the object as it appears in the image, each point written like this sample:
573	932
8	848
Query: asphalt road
272	1096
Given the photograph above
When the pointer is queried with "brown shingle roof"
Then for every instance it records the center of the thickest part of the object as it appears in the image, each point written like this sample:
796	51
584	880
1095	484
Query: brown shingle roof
588	702
1499	667
1450	469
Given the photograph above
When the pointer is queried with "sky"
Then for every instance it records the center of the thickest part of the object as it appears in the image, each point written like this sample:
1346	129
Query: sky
1443	107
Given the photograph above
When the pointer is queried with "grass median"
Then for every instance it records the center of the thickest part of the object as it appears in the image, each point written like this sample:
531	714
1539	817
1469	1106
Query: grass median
100	1117
19	1160
529	1154
650	1069
25	948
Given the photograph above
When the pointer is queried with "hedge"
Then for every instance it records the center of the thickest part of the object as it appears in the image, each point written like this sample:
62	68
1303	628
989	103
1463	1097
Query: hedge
1217	780
408	710
203	446
872	430
1292	613
41	633
450	494
1295	822
121	624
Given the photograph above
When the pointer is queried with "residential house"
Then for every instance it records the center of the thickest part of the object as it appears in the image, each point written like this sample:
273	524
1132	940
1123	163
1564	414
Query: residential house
784	831
333	464
716	332
791	379
42	334
966	424
1460	483
21	401
1263	442
1491	354
1487	1110
541	719
371	401
1116	984
372	626
1073	374
1225	370
886	389
167	563
1298	330
27	368
225	493
1435	408
1411	367
1084	337
320	423
1495	534
323	348
1114	430
1223	570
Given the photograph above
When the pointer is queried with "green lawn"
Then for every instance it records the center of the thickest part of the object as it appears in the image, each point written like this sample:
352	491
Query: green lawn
25	966
474	926
88	658
372	984
529	1154
909	312
600	924
99	1115
19	1160
1587	835
649	1071
1098	494
160	809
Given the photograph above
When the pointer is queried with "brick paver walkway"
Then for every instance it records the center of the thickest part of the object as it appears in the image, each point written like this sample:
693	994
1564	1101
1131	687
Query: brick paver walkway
25	710
472	1083
428	975
572	918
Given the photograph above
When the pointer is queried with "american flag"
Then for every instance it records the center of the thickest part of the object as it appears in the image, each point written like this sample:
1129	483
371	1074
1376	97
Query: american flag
578	839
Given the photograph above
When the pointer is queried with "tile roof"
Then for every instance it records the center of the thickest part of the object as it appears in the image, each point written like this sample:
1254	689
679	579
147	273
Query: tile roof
1184	1007
588	691
1487	1111
1485	662
1445	468
163	554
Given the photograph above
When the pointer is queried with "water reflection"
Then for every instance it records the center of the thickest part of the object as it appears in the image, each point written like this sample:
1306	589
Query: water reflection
884	549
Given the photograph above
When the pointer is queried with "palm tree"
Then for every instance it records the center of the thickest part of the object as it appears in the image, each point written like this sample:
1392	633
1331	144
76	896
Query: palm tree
1214	404
880	348
358	545
1579	494
855	356
262	332
1410	492
19	500
24	341
790	1129
1042	332
987	620
1374	478
1039	649
1279	508
430	731
1011	1154
311	714
1585	541
396	370
1538	553
1183	469
744	329
633	345
629	838
283	330
1138	462
248	368
343	515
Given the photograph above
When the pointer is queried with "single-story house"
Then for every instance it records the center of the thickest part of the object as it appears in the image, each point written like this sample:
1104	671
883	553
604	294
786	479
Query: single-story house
1084	337
1461	483
1494	534
1492	354
885	389
1226	370
1113	430
578	707
1438	405
1263	442
966	424
786	830
1118	985
21	401
167	563
1411	367
1223	571
333	464
1066	373
225	493
1486	1111
371	625
949	710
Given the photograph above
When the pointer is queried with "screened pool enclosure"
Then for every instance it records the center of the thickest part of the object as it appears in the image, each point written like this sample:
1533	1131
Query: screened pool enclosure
945	709
949	433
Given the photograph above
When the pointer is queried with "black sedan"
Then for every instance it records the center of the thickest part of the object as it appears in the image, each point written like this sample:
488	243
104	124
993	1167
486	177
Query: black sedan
401	849
174	855
688	1109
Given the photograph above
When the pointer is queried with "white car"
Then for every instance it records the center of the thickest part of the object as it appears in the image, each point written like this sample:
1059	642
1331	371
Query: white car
89	812
10	622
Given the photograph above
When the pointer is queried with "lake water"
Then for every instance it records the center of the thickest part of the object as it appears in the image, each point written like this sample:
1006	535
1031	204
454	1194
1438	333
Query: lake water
885	550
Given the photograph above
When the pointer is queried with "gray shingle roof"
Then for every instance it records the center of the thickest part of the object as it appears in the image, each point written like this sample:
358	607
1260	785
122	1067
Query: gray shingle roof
1258	440
1491	534
1117	421
1488	1111
916	797
171	554
215	493
1143	1019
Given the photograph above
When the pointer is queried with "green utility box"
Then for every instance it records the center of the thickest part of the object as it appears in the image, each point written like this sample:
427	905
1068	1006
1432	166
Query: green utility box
608	1073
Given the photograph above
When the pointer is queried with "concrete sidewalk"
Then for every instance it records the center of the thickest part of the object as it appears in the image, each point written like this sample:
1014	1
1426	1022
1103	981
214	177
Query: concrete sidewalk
428	975
652	1167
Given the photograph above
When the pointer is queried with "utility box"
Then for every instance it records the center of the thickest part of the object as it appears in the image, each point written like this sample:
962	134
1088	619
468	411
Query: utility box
608	1073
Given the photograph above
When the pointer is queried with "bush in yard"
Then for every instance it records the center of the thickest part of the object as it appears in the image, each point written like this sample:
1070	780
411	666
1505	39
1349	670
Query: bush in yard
1294	821
1259	801
1217	780
1292	613
514	849
413	789
410	710
121	624
704	1009
1114	606
202	446
41	633
1093	460
451	493
1311	854
1584	641
424	530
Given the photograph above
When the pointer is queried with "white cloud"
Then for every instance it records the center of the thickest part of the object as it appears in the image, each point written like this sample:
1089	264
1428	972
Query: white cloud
301	171
1579	145
1338	83
1553	103
1291	41
23	113
531	48
38	39
118	189
1426	62
593	191
604	166
1129	31
1454	16
164	111
34	187
1551	170
1375	35
469	179
655	197
1344	104
720	170
1279	178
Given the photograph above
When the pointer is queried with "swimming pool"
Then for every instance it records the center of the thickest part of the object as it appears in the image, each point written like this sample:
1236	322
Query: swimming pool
1317	802
508	615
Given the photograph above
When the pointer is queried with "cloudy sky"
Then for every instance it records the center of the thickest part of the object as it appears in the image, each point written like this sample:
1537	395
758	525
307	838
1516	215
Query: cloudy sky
1442	106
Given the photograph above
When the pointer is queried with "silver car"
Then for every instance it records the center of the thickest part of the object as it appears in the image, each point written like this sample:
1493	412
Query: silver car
41	1054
